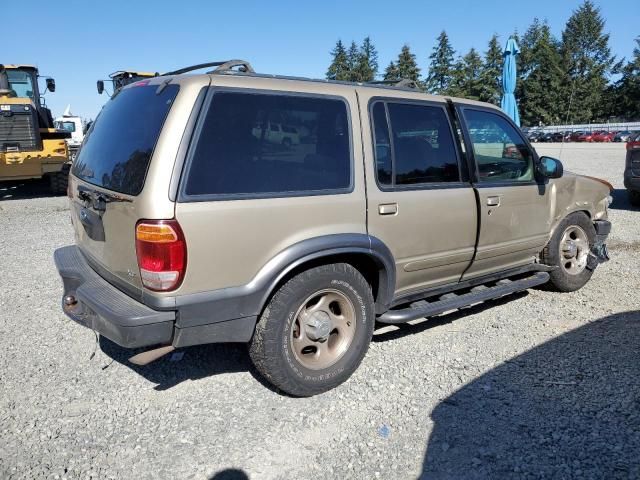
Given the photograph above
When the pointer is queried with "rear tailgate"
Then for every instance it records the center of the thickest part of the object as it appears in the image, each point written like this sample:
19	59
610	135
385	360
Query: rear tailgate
109	175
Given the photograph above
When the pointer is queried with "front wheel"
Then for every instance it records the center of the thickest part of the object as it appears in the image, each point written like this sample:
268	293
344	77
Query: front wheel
315	331
568	250
58	181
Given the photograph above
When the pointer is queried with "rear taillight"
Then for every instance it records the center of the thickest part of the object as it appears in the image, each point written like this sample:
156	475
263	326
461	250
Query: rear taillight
162	254
633	145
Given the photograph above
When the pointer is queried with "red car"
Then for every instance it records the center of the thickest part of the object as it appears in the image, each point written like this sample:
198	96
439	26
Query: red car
587	136
604	136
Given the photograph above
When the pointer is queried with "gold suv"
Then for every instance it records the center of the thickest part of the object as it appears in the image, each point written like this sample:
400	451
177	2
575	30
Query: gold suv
195	223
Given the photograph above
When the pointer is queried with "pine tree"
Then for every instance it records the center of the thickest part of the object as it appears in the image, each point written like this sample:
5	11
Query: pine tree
466	80
624	95
339	68
541	98
391	73
407	65
367	67
587	61
353	60
440	74
491	73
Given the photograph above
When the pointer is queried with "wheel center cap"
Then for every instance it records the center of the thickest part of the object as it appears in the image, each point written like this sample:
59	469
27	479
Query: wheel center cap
318	327
570	249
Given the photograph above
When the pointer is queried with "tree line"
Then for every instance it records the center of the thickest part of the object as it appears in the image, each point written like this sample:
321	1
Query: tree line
571	79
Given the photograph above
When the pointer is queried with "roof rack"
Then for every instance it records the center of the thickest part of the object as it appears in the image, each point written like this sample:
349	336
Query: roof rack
403	83
221	67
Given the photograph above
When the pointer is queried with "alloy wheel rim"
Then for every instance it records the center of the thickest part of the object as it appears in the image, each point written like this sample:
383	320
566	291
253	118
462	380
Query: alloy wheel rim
323	329
574	250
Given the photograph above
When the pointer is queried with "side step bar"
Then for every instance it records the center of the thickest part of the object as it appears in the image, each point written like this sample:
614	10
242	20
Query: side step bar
452	301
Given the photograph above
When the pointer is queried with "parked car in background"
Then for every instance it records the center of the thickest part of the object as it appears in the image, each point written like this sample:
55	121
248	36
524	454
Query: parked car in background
623	136
534	136
632	169
575	135
604	136
586	137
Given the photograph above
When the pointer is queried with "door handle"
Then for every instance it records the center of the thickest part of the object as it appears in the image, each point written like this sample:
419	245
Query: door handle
388	208
493	201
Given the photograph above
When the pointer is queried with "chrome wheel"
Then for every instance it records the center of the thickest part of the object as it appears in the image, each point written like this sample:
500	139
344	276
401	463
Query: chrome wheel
574	250
323	329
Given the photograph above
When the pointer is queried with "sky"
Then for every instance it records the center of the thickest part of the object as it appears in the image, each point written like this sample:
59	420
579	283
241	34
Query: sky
79	42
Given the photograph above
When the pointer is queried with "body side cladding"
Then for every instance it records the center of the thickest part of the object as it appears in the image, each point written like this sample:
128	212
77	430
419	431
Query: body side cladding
248	300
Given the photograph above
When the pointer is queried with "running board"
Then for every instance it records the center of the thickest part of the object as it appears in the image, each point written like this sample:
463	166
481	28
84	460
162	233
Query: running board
453	301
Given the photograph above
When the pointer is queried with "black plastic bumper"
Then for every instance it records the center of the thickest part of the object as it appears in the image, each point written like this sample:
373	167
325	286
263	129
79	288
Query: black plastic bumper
105	309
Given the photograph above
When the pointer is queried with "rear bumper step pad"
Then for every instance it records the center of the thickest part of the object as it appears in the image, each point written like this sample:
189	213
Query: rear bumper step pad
452	301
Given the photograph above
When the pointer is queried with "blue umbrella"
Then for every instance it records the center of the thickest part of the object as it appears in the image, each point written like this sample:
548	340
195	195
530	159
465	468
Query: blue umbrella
508	103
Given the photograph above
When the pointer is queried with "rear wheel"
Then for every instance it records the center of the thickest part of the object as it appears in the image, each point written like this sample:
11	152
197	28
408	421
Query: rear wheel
568	250
58	181
634	198
315	330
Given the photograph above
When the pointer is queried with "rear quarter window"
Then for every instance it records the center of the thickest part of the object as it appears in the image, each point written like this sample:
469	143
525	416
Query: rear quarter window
118	147
267	144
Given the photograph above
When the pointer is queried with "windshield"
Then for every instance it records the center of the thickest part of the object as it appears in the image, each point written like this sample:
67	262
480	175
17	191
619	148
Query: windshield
68	126
21	83
118	147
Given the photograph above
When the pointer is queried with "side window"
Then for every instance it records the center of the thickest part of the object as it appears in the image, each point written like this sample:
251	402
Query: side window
500	151
257	144
421	149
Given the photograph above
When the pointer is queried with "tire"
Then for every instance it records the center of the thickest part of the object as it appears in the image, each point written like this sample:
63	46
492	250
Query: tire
572	272
296	357
59	181
286	141
634	197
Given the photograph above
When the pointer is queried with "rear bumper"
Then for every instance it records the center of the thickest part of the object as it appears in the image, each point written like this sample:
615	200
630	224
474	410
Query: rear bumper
102	307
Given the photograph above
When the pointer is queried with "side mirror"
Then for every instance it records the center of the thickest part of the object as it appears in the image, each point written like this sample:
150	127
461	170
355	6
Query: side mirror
550	167
51	84
100	85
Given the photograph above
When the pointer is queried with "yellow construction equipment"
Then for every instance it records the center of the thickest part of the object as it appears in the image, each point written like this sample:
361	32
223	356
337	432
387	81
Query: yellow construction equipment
30	146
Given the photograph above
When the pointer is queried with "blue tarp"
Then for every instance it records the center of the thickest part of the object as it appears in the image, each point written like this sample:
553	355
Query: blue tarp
509	68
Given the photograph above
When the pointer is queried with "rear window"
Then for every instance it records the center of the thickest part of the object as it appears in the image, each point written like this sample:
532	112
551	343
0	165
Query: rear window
117	149
254	144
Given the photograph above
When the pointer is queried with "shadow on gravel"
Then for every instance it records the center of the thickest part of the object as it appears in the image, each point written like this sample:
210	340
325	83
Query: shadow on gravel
25	189
230	474
569	408
621	200
193	363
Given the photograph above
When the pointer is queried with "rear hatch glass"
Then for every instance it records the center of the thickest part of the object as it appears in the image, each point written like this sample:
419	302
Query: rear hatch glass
117	149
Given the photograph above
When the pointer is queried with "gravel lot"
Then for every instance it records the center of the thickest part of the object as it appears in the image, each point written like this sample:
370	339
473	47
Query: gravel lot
537	385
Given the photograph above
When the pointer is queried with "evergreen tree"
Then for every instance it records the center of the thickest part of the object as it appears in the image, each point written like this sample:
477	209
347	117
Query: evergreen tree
542	93
466	80
440	74
391	73
353	60
407	65
339	68
587	62
624	95
491	73
367	67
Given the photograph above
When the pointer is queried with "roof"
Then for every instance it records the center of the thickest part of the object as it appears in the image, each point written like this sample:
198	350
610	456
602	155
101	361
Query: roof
260	80
19	66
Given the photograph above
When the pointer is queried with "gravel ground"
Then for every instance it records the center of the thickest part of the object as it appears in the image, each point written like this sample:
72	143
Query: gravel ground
536	385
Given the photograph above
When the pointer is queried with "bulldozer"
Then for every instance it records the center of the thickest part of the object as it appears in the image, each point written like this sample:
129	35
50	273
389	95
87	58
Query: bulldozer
30	146
121	78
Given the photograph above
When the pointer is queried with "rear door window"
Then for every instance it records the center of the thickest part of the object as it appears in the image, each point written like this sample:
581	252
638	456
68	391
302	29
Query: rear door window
416	148
268	144
117	149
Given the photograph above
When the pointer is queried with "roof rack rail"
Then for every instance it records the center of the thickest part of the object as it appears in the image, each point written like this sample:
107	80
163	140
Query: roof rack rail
403	83
221	67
